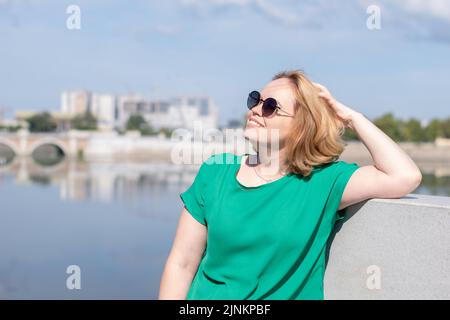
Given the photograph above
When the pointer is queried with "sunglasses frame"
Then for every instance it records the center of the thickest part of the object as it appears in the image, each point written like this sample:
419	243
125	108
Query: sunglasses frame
278	106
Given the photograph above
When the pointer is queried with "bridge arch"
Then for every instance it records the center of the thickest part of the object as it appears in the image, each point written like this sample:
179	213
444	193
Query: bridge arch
48	141
10	144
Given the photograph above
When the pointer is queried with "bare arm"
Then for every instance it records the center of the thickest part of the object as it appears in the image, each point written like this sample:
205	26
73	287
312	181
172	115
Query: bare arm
393	174
184	258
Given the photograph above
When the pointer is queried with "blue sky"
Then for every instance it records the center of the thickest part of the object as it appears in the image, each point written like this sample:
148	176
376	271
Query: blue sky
226	48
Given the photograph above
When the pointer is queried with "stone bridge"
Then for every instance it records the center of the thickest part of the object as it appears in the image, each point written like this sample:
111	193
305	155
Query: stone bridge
24	143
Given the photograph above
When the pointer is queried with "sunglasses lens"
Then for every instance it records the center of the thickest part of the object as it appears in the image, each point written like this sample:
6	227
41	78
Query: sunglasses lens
269	107
253	99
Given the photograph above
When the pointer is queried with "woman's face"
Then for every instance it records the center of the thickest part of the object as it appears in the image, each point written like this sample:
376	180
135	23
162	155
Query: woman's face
261	130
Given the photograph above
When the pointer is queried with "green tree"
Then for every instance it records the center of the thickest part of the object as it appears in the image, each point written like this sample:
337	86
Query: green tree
137	122
13	128
84	121
433	130
166	131
391	126
445	126
41	122
413	131
350	135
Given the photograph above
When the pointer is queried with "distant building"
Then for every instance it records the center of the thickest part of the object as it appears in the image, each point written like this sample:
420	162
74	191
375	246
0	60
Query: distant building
127	106
76	102
176	113
104	108
200	109
113	112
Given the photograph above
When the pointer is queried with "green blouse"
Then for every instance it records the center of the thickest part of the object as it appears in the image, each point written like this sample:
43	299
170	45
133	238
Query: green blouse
264	242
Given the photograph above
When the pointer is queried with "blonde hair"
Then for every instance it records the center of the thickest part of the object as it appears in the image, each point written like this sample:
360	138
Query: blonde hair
316	134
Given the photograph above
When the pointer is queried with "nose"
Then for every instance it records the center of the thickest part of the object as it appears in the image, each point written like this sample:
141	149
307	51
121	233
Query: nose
256	110
253	113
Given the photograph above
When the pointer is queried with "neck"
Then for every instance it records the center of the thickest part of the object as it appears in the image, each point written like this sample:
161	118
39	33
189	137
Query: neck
271	162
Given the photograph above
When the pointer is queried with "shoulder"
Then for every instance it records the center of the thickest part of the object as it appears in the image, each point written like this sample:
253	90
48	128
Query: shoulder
335	168
219	162
343	166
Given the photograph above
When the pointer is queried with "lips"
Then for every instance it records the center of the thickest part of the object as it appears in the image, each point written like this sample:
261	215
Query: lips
255	122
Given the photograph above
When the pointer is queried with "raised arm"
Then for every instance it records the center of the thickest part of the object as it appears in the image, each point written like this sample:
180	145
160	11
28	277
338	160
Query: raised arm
393	173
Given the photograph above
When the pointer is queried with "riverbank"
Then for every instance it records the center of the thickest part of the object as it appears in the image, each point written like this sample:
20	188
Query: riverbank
131	147
431	158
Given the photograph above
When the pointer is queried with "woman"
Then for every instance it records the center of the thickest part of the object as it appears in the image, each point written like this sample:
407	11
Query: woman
256	227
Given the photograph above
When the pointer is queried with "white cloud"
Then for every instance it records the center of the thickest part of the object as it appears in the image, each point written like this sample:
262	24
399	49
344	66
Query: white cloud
416	19
435	8
276	13
265	7
422	19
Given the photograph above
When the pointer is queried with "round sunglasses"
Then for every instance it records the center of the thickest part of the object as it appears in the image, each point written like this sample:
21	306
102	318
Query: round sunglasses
269	107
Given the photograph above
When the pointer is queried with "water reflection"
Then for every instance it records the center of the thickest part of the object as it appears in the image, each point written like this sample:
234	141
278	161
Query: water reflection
6	154
435	179
111	181
48	155
115	220
435	185
100	181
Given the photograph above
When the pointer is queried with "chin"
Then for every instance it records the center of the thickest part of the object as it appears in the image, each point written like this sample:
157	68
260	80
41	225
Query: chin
254	134
261	136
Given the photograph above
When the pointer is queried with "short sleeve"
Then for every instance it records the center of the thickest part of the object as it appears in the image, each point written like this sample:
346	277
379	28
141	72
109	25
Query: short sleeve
194	197
342	175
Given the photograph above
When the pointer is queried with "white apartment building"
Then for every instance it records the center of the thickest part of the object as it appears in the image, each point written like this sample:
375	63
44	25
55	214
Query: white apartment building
75	102
127	106
114	111
197	109
104	108
181	112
